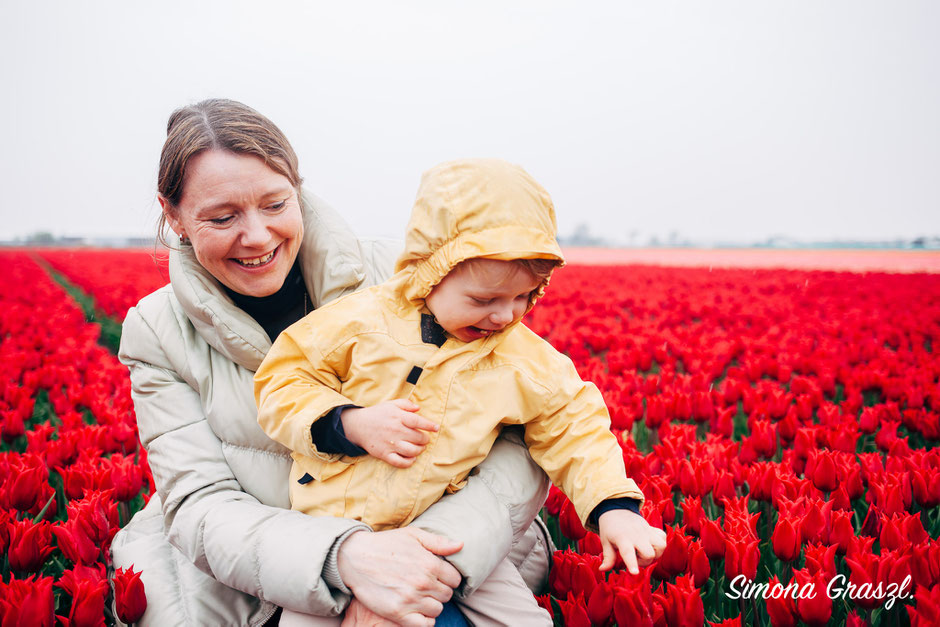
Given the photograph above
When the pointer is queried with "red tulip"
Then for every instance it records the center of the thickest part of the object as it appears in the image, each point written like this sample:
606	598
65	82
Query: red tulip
764	438
127	477
96	515
692	514
6	521
88	590
781	608
713	539
925	563
724	487
590	544
926	485
821	559
555	501
11	425
787	541
75	544
28	478
630	610
559	577
574	611
675	557
699	566
815	524
741	558
821	468
681	604
892	535
866	570
600	607
570	524
30	545
27	602
842	530
816	609
926	610
854	620
692	480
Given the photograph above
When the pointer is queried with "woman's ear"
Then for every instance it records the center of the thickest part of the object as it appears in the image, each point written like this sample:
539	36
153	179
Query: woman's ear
171	215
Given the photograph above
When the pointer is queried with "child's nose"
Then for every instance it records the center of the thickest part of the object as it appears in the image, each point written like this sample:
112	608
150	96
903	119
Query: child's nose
501	316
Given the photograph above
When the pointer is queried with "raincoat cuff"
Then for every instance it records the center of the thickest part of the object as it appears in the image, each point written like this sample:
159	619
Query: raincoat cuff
329	436
611	504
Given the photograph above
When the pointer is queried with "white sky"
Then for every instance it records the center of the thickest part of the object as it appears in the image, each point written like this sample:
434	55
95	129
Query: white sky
717	120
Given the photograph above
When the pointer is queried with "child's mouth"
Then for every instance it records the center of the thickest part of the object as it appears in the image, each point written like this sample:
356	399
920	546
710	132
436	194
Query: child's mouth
478	332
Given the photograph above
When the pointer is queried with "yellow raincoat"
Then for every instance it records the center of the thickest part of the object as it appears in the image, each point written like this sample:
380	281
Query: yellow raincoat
368	347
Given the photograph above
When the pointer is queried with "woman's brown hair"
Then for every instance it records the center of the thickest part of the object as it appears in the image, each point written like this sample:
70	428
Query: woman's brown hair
219	124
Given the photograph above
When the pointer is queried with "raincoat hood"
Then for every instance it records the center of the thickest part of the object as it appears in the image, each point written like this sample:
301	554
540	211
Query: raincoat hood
475	208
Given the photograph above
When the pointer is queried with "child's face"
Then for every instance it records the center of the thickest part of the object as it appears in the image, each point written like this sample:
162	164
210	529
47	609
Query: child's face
480	297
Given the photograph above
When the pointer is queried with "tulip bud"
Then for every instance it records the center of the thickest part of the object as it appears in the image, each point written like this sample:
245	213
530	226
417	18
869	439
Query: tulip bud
129	598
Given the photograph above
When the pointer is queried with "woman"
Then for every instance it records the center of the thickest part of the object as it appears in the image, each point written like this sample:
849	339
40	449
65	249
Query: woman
217	544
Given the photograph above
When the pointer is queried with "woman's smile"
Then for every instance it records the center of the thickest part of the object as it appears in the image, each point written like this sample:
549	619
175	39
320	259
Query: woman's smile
256	262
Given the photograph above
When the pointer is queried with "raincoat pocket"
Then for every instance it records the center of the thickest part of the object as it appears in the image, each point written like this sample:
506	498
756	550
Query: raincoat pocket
309	469
318	486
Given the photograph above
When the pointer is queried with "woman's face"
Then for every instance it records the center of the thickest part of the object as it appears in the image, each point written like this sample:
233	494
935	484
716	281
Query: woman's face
242	218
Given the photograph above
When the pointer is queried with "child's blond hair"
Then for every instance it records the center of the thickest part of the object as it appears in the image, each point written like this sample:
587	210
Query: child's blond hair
541	269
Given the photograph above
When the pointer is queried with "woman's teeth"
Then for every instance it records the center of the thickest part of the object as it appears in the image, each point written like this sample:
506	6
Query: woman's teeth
257	261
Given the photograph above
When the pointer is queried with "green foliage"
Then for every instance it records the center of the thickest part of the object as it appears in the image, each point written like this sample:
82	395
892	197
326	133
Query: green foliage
110	329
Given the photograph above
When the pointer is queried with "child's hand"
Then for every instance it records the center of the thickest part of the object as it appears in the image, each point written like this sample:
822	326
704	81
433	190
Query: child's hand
390	431
638	543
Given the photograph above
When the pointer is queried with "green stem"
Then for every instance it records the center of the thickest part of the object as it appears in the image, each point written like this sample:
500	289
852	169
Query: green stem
45	507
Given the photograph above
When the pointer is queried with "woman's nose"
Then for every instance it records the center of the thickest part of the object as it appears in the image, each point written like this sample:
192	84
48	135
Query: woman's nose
255	231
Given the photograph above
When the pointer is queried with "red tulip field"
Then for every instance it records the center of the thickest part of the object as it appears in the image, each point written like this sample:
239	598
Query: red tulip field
782	424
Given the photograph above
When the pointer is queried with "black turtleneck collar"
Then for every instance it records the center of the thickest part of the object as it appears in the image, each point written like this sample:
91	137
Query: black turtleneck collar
279	310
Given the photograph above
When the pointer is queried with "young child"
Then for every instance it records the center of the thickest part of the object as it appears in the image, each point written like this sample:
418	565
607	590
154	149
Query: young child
389	396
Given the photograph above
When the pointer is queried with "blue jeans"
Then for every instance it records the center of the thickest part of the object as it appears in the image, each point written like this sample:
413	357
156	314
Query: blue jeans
451	617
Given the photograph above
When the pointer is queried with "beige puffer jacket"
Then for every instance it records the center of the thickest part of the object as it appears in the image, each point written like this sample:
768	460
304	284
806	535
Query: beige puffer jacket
218	545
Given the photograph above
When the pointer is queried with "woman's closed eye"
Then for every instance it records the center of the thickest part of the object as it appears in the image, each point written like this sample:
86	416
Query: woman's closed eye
222	220
277	206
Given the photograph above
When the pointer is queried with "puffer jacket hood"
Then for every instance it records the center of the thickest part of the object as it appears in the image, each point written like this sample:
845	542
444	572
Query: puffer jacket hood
475	208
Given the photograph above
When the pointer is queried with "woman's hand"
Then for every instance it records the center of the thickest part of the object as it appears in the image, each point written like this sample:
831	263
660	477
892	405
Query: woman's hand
358	615
398	574
628	533
390	431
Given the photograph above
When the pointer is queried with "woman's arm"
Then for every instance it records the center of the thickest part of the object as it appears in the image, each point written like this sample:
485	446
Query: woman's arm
270	553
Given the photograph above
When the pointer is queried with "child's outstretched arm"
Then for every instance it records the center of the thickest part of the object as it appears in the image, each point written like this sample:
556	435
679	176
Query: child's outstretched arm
628	533
391	431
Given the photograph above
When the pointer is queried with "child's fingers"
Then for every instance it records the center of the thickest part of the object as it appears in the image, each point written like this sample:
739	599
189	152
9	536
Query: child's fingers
658	541
414	421
645	552
629	558
396	460
415	436
610	556
407	449
405	404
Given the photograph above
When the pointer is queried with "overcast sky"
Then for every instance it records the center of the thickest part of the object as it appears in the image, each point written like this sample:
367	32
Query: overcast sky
714	120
